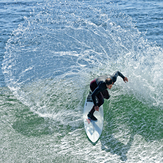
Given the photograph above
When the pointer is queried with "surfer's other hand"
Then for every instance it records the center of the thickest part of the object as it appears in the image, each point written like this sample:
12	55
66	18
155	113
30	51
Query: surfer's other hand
96	108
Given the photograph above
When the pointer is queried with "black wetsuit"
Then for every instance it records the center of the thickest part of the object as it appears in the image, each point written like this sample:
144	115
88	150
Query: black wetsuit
99	89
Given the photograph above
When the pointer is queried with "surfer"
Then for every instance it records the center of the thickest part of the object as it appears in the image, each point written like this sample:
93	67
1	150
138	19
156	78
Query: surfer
99	88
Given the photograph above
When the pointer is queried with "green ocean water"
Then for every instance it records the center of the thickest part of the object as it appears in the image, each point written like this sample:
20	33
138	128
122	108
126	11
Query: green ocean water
132	132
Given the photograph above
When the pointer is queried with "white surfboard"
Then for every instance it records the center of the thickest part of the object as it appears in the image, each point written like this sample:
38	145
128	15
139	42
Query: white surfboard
94	128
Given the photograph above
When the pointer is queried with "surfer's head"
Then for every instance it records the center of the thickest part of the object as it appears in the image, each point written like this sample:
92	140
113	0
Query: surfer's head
109	83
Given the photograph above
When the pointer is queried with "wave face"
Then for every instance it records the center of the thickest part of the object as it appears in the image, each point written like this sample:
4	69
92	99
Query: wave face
51	58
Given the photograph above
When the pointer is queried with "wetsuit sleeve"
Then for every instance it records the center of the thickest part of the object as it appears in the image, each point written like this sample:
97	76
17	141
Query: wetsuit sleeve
117	73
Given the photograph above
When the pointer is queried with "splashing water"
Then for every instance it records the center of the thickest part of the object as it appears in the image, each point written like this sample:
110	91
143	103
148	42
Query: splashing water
51	58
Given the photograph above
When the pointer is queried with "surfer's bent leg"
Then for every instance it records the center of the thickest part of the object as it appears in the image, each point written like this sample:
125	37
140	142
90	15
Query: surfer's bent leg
100	97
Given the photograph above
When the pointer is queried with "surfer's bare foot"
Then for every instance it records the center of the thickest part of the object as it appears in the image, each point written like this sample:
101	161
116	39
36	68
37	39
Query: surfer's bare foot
92	117
88	120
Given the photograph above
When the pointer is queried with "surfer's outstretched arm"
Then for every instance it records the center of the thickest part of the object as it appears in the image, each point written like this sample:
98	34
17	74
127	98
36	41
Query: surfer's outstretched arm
116	74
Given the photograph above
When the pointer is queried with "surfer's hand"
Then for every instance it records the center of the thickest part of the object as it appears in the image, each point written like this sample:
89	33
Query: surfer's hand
125	79
96	108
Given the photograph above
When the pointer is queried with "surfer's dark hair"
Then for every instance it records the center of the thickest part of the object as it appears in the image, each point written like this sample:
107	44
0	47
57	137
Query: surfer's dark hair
108	82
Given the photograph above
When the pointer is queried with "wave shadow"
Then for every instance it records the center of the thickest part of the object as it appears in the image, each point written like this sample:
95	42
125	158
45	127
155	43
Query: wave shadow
114	146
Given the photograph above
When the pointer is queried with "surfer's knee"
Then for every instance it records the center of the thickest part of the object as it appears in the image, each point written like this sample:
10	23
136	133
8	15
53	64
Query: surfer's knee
107	97
100	102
